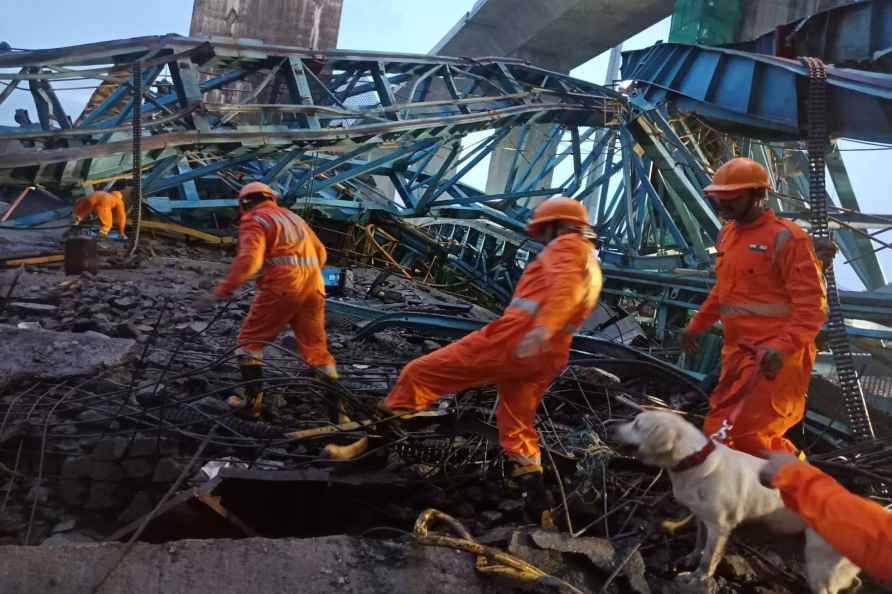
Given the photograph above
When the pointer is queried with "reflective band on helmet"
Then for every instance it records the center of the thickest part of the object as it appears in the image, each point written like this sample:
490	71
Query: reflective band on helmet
292	261
755	309
525	304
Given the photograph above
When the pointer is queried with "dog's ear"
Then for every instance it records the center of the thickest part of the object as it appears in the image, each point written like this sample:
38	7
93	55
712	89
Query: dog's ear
659	441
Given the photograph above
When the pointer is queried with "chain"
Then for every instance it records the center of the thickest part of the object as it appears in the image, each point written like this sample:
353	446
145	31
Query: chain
818	140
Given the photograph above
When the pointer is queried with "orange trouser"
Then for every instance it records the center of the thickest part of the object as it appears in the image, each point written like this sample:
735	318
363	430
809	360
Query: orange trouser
487	357
273	309
770	407
104	214
856	527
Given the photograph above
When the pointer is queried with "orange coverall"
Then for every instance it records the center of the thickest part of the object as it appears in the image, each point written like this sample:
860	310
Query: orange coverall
103	204
290	289
856	527
557	291
769	292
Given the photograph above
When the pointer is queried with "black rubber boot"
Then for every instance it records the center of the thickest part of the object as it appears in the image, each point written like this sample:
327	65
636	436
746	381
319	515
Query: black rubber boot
536	498
252	372
392	428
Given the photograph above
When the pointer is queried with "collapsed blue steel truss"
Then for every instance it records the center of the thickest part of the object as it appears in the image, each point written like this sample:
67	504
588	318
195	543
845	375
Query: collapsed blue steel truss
358	135
399	140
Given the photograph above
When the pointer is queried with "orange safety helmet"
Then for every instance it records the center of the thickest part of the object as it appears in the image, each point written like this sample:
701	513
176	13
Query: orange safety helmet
252	189
558	208
735	175
256	188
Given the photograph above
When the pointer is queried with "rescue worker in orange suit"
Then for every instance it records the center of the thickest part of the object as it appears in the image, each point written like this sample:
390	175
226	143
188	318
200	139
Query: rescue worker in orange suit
279	245
108	207
858	528
770	297
523	351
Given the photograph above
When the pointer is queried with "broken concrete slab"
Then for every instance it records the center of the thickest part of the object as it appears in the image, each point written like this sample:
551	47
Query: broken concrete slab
49	355
339	564
553	562
600	552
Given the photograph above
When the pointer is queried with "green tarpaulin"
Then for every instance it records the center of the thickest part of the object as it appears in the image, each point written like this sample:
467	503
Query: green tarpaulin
705	22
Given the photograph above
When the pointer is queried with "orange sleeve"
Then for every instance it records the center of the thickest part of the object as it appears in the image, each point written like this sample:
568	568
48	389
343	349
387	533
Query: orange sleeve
707	315
802	275
856	527
249	261
564	260
83	207
120	216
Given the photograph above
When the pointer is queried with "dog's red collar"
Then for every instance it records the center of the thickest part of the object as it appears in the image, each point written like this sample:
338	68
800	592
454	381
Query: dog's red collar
695	459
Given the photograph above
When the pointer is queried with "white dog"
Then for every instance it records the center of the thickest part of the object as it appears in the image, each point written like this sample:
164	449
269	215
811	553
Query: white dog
721	488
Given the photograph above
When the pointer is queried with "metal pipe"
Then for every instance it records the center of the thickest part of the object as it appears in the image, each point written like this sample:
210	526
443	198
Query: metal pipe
137	150
15	204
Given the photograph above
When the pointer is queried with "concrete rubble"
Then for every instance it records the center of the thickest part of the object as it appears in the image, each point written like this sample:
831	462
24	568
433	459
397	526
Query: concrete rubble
339	564
48	355
113	385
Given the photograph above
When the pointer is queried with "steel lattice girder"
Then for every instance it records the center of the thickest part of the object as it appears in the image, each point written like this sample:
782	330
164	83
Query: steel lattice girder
332	122
324	127
335	100
763	97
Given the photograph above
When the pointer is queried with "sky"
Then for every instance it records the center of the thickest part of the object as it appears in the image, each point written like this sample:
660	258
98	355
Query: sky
411	26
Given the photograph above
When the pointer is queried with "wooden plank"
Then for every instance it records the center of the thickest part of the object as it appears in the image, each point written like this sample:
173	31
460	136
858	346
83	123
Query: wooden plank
183	230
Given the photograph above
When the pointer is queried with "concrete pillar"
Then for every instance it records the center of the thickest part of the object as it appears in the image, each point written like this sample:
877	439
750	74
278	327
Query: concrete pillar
503	156
312	24
600	165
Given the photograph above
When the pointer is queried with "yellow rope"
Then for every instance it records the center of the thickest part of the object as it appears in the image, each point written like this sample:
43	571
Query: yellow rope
489	560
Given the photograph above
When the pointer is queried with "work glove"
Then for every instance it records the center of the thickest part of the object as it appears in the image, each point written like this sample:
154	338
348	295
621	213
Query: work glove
772	363
776	461
533	343
690	342
205	302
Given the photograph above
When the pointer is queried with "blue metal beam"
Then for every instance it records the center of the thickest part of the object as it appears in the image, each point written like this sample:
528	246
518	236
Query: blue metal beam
718	85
